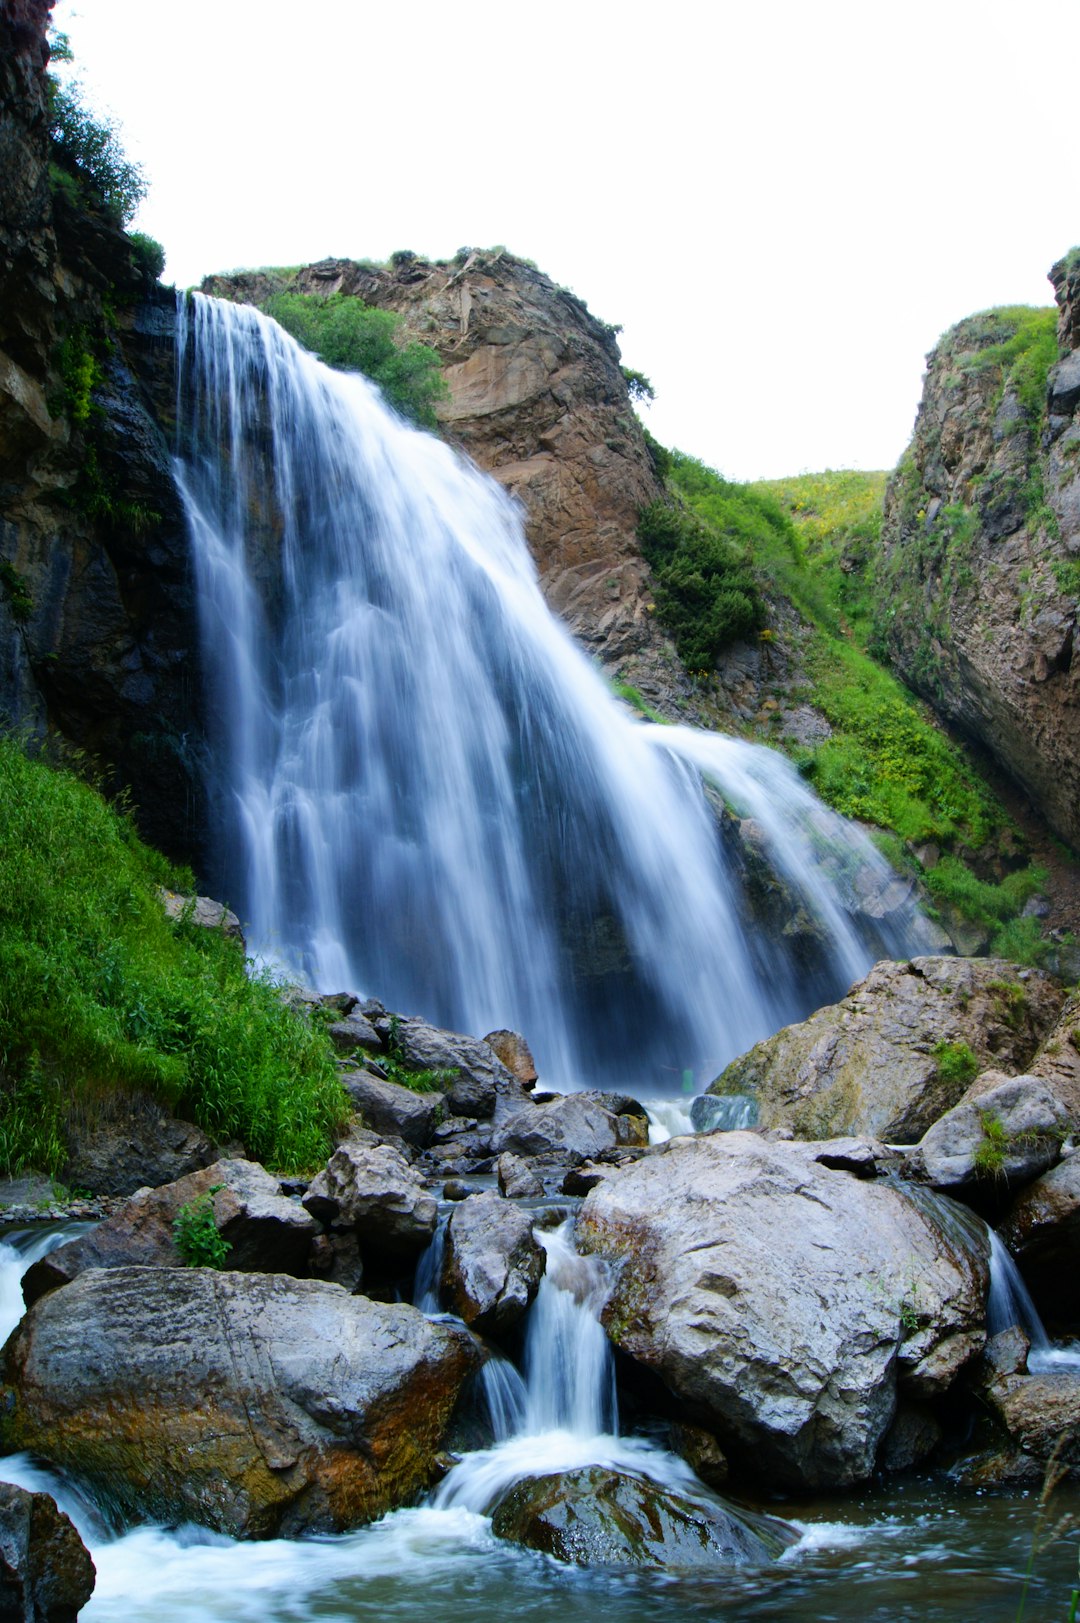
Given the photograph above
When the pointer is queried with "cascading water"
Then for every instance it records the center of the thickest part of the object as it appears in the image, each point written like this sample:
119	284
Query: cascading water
1010	1303
421	789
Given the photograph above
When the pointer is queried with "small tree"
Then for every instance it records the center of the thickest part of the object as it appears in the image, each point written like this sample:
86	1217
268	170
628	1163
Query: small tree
89	147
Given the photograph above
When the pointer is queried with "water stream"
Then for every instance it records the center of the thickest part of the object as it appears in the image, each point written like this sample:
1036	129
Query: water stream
423	790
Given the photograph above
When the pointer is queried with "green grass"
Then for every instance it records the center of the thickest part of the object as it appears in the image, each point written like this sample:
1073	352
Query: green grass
100	992
836	518
957	1065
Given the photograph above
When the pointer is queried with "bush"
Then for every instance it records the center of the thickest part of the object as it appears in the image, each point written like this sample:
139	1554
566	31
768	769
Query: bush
148	254
706	593
89	149
196	1235
346	333
99	991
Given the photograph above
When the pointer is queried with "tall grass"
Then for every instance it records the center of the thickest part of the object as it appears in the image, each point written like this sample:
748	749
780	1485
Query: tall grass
100	992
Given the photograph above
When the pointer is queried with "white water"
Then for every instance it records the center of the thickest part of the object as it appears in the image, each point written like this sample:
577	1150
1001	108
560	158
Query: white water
1010	1303
421	789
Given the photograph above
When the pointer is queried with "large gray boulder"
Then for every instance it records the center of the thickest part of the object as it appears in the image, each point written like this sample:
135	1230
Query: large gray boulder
782	1301
493	1263
46	1574
132	1143
1042	1230
372	1188
1004	1132
252	1403
899	1049
567	1130
392	1110
599	1517
482	1081
266	1231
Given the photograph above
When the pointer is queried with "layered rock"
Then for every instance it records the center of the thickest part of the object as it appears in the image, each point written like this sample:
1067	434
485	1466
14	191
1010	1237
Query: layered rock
978	587
783	1303
252	1403
899	1050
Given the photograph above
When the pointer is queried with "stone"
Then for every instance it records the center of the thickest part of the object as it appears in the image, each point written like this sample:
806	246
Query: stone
515	1054
893	1055
203	911
599	1517
389	1108
1042	1230
131	1143
372	1189
1038	1420
785	1304
354	1032
1004	1131
913	1436
482	1077
266	1232
255	1404
516	1181
1058	1059
563	1130
701	1452
46	1574
493	1264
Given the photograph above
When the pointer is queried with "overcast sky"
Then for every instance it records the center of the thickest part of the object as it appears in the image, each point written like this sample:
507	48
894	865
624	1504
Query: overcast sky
784	205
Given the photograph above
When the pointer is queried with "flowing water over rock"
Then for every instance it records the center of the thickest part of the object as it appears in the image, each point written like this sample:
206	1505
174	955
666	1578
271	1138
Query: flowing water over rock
1010	1304
423	790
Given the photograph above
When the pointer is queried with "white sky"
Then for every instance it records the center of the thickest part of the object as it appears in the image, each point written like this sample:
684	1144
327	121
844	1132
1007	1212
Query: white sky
783	204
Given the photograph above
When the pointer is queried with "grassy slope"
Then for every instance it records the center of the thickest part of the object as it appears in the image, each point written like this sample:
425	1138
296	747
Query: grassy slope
100	992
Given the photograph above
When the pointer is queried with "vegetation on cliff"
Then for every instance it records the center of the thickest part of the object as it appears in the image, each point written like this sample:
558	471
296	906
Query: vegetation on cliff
352	336
100	991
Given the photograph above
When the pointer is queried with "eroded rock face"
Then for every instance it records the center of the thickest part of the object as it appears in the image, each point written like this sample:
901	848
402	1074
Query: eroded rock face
266	1232
482	1084
889	1059
566	1130
388	1108
1038	1418
599	1517
982	522
132	1143
46	1574
784	1303
252	1403
493	1263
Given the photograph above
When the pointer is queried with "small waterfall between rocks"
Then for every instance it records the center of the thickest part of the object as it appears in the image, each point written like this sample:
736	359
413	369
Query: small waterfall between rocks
421	789
1010	1304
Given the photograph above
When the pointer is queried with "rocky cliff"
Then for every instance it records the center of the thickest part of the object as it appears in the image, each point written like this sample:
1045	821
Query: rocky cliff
980	572
97	621
536	396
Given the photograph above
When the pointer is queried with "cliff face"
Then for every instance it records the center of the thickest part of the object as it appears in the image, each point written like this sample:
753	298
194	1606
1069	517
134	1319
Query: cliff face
536	397
97	619
980	571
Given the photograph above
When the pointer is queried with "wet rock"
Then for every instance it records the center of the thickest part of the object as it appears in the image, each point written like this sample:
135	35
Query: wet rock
912	1438
516	1180
701	1452
266	1232
566	1129
203	911
1042	1230
389	1108
482	1078
898	1050
335	1258
515	1054
862	1157
352	1033
255	1404
132	1143
372	1188
784	1303
456	1189
493	1263
1038	1419
579	1180
46	1574
599	1517
1005	1131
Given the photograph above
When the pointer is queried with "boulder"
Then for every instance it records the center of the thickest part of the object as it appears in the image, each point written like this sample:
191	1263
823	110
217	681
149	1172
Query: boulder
255	1404
564	1130
898	1050
354	1031
46	1574
203	911
1037	1419
1004	1131
516	1181
784	1303
266	1232
389	1108
482	1079
599	1517
372	1188
1042	1230
515	1054
132	1143
493	1263
1058	1060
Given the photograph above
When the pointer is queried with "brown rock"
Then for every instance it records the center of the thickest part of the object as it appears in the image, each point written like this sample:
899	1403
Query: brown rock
46	1574
515	1054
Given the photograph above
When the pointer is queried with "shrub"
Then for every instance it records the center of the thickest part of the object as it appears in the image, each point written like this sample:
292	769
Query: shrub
99	991
706	593
89	149
348	334
957	1065
148	254
196	1234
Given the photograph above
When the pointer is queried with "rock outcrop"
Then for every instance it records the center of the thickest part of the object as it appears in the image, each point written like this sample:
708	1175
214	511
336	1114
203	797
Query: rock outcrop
46	1574
1042	1230
783	1303
1003	1133
980	577
493	1263
899	1050
252	1403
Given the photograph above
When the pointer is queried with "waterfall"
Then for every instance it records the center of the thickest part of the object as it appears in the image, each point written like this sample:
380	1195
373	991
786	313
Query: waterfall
1009	1303
421	789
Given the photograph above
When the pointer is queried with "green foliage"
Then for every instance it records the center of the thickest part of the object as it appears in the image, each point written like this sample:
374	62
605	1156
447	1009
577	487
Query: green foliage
88	148
981	900
957	1065
1022	349
431	1079
348	334
661	457
99	991
148	254
836	517
196	1234
638	386
16	590
631	695
990	1153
